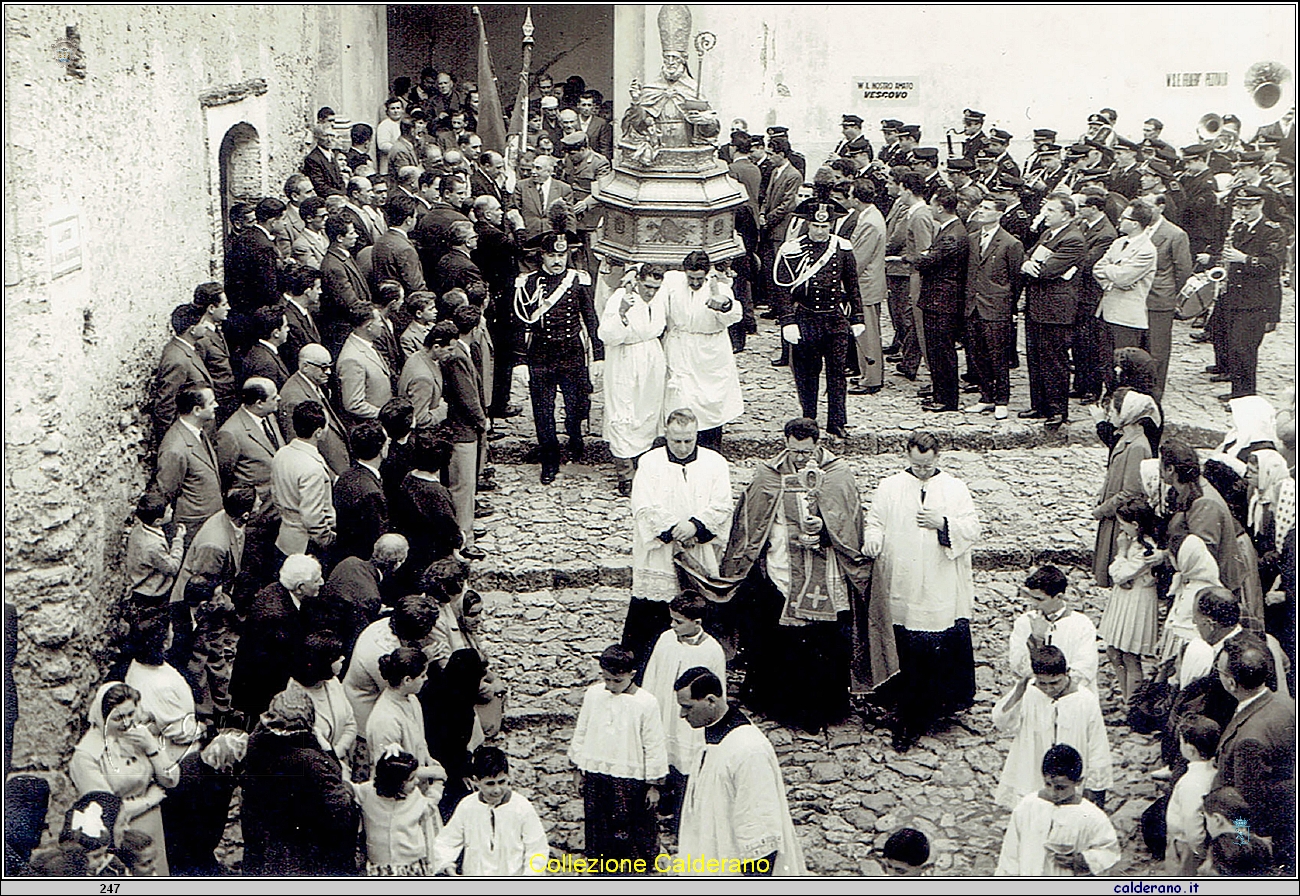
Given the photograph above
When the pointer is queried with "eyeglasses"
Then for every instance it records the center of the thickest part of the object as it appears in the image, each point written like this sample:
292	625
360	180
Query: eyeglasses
319	365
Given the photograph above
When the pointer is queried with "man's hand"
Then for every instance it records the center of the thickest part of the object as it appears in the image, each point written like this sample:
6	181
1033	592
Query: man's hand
858	330
790	333
1031	267
929	518
1071	861
1235	255
1038	626
515	218
1203	258
577	779
684	530
625	305
872	544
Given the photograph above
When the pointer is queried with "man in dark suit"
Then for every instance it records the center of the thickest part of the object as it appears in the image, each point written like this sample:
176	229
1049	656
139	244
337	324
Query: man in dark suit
249	439
320	167
301	305
354	591
497	256
598	130
272	635
271	329
456	269
998	142
972	123
855	145
796	159
943	298
1251	303
1051	299
465	424
310	384
395	257
1089	330
432	234
993	280
1124	177
1201	217
213	348
534	197
778	204
1256	752
359	503
487	176
187	474
344	291
179	366
252	270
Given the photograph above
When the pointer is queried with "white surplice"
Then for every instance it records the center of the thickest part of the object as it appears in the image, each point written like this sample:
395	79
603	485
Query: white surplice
1035	823
702	371
504	841
1038	723
1073	633
635	372
670	658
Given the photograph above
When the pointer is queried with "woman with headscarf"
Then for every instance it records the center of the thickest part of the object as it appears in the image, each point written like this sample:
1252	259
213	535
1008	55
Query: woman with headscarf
1253	429
120	755
1194	570
1136	370
196	810
298	816
1131	414
166	700
1271	518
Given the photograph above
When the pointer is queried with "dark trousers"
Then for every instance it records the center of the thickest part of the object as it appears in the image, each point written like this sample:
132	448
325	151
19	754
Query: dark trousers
1089	359
504	356
941	340
986	344
619	825
646	621
822	338
1245	333
1116	336
572	382
1218	334
1157	341
900	309
1047	347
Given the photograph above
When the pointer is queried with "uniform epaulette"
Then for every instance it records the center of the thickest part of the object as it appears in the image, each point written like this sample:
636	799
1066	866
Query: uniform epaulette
521	280
844	243
584	278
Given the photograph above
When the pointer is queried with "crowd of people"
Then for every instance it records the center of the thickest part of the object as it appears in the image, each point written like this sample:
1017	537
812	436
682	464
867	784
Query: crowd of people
298	569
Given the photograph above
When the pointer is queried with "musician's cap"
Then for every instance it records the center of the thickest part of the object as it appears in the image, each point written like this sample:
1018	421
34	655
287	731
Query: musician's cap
960	164
777	130
1077	150
851	120
573	141
1009	182
1122	143
1098	118
890	125
1048	149
987	155
820	211
1044	134
1196	149
1249	195
1092	174
550	102
913	130
930	153
999	135
553	242
1158	168
1249	158
972	115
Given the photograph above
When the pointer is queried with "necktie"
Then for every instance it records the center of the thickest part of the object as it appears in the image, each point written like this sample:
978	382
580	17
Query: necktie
207	446
270	433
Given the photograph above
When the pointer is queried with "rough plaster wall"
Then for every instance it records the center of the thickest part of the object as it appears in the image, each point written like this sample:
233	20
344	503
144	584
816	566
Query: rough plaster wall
125	149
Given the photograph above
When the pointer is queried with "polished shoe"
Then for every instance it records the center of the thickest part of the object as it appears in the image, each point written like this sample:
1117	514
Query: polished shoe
1220	378
979	407
1088	398
1054	422
510	410
970	388
838	432
1227	396
1000	412
905	373
938	407
892	349
925	391
864	390
768	315
1202	336
549	472
781	361
483	509
479	530
1212	368
625	488
577	450
473	553
1031	414
485	484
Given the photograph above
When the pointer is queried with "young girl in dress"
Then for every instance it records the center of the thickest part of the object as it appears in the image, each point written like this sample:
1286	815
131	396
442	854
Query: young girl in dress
1129	625
400	821
397	718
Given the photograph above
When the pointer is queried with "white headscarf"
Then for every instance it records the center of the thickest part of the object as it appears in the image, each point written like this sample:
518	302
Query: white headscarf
1253	421
1273	475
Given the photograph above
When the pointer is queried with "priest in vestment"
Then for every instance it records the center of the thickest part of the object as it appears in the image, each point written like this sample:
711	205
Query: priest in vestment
921	528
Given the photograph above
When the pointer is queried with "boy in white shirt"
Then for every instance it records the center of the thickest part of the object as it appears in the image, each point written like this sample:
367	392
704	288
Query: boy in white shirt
1050	622
496	829
1198	738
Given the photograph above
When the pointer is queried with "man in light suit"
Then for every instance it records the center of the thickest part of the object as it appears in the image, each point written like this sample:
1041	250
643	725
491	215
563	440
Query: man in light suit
250	438
1051	299
993	279
1173	267
535	197
302	487
1256	753
909	231
778	204
301	305
359	503
343	288
187	475
1125	273
271	329
310	246
319	165
421	380
310	384
365	382
868	239
179	366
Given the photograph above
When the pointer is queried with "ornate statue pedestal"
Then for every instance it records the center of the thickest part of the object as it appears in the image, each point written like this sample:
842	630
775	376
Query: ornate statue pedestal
659	211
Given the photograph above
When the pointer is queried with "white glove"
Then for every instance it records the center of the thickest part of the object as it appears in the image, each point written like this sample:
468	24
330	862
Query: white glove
790	333
858	330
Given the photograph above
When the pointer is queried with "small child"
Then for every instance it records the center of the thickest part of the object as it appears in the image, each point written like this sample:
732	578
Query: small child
1198	738
400	823
685	645
905	853
496	829
1055	833
621	758
1050	622
1129	626
1224	811
152	562
1055	710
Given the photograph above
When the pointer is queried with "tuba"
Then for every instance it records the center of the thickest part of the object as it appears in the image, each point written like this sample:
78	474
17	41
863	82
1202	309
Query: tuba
1264	83
1209	127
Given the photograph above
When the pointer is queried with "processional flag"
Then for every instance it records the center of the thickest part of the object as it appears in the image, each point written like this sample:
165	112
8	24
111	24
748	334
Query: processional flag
491	120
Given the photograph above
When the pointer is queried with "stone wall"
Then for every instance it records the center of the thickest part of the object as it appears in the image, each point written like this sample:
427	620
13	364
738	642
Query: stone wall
114	118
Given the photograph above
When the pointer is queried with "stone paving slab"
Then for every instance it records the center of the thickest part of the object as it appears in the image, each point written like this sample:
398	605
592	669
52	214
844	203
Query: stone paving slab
847	788
578	531
880	423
